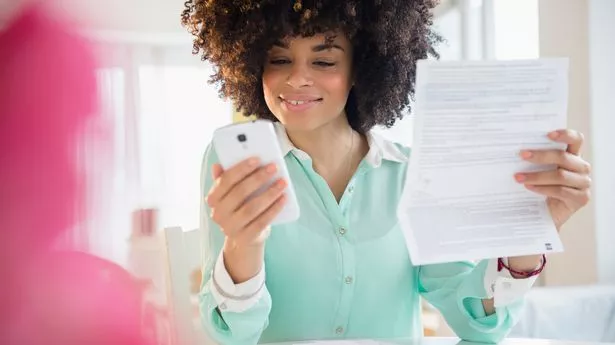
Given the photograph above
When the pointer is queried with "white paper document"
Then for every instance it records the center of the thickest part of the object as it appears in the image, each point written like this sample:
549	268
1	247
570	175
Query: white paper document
472	119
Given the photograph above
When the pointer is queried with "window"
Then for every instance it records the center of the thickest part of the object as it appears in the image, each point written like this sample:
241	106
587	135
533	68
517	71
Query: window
160	113
179	112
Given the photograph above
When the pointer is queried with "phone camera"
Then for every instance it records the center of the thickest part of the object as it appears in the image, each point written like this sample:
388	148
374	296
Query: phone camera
242	138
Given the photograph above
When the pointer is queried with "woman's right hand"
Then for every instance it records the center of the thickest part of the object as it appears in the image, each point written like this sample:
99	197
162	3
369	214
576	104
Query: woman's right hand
245	223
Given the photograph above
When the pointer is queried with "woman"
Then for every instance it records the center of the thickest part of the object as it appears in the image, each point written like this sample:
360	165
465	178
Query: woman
327	72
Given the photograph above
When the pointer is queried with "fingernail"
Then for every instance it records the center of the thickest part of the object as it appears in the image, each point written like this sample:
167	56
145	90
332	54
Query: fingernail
526	154
554	135
271	168
520	177
281	184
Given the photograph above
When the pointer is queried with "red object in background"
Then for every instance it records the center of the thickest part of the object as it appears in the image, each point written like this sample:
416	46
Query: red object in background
47	96
144	222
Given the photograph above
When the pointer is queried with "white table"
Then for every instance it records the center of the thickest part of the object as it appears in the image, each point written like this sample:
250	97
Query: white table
441	341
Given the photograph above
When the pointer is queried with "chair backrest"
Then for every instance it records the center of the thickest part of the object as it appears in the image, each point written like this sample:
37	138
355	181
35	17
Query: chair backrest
183	253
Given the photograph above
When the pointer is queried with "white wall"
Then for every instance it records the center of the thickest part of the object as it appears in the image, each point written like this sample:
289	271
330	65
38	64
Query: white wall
602	97
145	16
511	40
563	27
584	31
142	21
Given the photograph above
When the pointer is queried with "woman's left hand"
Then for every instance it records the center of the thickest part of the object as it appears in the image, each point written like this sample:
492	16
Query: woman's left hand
568	187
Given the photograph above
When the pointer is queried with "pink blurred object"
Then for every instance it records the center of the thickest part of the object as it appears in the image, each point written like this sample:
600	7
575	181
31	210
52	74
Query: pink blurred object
47	93
77	298
47	96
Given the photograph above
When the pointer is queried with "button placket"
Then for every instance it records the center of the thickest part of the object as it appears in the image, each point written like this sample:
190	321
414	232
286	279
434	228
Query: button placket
347	272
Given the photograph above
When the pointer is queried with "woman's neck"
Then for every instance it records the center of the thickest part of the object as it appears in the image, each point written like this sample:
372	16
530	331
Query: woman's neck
326	145
335	149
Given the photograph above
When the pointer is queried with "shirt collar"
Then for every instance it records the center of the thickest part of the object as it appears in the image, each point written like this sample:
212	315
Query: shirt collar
379	148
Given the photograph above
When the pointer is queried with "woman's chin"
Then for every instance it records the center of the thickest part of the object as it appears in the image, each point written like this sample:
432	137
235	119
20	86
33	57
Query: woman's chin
305	125
306	120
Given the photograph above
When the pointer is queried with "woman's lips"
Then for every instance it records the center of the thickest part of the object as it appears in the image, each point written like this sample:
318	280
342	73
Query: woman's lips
299	104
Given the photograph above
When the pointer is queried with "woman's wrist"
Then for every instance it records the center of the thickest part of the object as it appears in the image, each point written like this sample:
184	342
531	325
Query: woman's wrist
526	264
243	262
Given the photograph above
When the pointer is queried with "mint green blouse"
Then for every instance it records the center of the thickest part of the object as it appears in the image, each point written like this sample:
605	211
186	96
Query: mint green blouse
343	270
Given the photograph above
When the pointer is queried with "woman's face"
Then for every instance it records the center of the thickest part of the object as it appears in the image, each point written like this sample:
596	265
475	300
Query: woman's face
306	82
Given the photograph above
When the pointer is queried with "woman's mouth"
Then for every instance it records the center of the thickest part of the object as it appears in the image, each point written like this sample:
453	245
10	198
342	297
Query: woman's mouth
299	105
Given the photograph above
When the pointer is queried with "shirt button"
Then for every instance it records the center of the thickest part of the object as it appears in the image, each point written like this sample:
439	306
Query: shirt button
351	189
223	306
348	280
339	330
342	231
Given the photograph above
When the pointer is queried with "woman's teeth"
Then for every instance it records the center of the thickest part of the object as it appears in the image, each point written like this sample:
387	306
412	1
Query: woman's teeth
297	102
301	102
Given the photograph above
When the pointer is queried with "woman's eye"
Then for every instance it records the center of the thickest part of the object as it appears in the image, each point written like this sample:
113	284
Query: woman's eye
279	61
324	64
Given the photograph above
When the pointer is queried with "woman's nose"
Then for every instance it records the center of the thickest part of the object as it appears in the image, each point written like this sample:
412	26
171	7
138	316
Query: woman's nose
299	76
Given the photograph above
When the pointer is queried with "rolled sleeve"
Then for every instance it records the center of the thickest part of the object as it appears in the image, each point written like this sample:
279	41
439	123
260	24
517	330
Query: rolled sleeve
503	287
231	297
457	290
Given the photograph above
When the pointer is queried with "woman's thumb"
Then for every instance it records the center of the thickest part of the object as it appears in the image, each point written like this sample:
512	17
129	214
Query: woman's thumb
216	171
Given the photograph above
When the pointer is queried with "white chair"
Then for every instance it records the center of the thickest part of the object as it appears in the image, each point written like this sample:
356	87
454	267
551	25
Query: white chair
184	259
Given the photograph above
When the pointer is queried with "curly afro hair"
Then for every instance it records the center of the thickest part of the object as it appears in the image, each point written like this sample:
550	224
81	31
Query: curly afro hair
388	37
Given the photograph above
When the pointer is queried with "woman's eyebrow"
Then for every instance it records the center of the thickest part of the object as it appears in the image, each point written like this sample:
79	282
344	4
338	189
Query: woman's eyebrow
316	48
321	47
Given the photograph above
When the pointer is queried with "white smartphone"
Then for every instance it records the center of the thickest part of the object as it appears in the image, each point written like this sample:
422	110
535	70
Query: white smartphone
237	142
